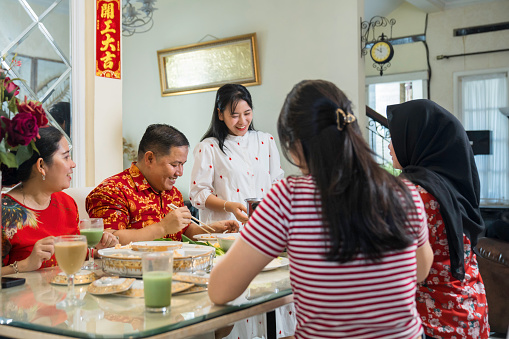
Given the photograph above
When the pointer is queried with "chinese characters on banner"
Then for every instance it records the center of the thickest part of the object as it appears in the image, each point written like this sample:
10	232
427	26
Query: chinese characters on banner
108	30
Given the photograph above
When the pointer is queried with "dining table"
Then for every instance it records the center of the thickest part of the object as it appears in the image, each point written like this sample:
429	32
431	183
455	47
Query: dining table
30	310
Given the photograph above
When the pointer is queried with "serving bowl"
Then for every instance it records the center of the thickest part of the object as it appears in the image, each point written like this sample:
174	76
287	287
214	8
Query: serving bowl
127	263
226	240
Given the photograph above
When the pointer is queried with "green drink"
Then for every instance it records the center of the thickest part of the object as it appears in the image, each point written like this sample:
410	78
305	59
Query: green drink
157	289
92	228
93	235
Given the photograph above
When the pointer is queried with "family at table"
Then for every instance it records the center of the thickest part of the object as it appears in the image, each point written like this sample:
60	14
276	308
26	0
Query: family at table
372	255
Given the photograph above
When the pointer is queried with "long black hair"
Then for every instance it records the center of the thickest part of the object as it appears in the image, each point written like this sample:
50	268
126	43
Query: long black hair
361	203
228	95
47	145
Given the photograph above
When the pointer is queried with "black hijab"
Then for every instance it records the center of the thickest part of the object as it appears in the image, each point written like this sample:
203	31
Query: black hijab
433	148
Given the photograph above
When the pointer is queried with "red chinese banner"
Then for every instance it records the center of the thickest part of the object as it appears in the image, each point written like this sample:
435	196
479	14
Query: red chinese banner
108	30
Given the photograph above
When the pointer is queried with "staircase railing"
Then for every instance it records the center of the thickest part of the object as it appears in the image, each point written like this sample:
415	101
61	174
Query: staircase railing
379	138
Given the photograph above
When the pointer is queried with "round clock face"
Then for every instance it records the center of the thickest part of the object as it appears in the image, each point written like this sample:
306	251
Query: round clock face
382	52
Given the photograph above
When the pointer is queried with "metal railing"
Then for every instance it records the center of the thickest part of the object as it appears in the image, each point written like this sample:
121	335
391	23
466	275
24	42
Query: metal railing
379	138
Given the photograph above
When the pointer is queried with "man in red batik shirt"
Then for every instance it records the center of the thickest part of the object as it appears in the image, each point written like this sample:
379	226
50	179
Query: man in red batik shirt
136	201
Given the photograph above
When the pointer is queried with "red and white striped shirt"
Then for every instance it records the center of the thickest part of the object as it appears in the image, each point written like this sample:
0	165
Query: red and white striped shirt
357	299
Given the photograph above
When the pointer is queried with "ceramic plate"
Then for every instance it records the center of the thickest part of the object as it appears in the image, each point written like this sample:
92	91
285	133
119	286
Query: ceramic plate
110	285
80	278
136	290
206	237
194	289
192	278
155	246
276	263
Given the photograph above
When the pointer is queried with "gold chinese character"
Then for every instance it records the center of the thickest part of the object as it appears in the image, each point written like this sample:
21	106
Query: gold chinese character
108	11
108	42
108	60
108	29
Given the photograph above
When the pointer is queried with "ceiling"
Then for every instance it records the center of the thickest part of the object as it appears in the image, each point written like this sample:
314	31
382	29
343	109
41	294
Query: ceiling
385	7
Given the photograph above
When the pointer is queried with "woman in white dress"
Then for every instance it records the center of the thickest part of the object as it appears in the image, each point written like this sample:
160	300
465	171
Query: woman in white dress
234	162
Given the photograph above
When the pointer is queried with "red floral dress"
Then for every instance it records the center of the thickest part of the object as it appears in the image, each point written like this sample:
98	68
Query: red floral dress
22	226
450	308
127	200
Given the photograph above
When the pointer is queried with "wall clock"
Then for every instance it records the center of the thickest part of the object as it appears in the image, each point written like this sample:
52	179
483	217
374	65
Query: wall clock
382	52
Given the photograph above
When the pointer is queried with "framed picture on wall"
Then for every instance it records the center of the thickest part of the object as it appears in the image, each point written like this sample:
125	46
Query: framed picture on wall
208	65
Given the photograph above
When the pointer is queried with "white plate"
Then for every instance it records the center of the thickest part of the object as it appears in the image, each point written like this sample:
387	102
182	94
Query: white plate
206	237
276	263
154	246
136	289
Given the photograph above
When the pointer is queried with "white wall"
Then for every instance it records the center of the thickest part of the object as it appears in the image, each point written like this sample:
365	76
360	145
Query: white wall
441	41
408	57
297	39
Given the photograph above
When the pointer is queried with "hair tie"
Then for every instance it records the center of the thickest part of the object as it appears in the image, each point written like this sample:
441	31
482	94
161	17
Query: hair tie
347	119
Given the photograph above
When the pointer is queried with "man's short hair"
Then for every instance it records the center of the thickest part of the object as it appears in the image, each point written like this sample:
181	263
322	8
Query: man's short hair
160	138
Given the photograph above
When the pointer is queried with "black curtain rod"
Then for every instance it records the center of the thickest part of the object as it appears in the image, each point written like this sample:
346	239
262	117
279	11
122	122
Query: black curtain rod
440	57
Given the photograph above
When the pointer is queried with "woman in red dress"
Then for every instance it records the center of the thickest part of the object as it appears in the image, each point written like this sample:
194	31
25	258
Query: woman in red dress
36	210
431	147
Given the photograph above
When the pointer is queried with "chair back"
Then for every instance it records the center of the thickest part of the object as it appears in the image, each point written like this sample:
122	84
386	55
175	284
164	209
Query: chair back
79	194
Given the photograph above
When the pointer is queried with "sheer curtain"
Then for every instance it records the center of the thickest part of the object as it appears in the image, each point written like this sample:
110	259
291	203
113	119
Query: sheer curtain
481	98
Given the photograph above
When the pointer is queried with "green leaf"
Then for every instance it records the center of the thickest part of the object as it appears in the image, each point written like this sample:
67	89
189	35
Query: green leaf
32	144
23	154
3	113
12	105
8	159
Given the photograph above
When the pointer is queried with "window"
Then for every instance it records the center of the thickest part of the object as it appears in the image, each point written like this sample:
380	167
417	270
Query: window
395	90
480	98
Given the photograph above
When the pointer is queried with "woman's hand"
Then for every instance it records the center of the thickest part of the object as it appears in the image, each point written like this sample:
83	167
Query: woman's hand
108	240
231	226
43	250
238	209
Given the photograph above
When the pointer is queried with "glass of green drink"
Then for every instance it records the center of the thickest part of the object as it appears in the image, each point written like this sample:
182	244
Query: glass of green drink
93	229
157	271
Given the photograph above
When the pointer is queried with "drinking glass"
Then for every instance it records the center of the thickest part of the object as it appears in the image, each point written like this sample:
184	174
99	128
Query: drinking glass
93	229
70	252
157	271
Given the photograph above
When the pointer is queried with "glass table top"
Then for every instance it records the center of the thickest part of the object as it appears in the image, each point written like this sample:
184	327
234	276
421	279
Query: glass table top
32	306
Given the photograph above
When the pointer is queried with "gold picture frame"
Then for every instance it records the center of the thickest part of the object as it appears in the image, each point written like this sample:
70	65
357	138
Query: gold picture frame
206	66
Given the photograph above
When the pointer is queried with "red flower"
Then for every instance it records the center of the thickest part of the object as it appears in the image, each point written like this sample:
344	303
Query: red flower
21	129
2	133
34	108
10	88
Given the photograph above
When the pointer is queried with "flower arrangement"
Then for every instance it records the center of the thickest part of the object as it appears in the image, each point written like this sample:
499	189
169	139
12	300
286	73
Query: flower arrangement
19	121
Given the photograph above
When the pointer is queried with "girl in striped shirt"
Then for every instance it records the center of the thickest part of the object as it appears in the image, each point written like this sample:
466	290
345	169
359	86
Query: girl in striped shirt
356	236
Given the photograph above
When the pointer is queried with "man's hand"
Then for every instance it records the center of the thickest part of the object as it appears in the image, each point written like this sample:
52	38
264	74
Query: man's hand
231	226
176	220
43	250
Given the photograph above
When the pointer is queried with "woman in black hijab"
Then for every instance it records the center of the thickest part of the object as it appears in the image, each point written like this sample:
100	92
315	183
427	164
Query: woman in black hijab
432	148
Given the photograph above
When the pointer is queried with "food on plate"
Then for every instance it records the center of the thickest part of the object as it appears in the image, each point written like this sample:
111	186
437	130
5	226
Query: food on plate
126	247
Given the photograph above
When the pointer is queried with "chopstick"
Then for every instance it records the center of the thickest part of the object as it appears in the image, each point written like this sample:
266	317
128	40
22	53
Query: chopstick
196	221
